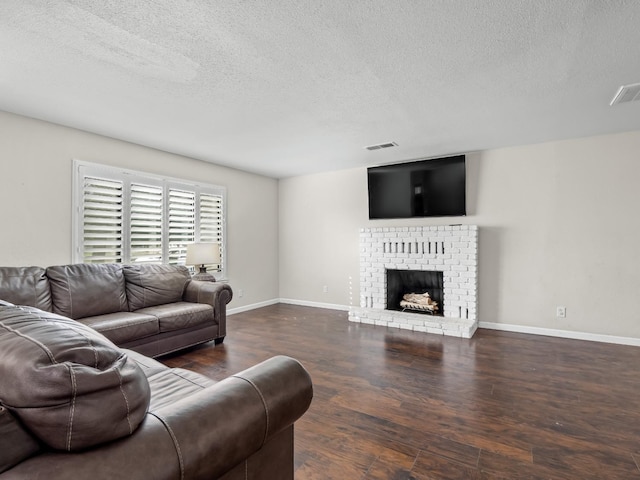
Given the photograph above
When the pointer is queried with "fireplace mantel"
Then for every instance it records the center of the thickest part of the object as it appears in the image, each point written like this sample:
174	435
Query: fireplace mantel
451	249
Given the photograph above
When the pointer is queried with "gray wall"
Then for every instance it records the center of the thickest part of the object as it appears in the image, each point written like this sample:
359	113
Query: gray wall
35	200
559	225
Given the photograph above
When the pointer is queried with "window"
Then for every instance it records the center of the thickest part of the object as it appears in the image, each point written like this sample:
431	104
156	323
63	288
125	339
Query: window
123	216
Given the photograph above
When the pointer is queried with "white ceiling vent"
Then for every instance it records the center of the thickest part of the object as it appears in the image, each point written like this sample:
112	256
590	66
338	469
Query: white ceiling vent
382	145
627	93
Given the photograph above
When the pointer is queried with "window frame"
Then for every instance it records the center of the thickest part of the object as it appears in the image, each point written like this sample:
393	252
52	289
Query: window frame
82	169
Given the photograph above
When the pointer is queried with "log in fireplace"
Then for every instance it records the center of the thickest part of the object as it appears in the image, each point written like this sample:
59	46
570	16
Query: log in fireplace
403	282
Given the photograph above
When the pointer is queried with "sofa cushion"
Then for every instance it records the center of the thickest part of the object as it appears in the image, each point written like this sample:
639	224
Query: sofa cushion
179	315
25	286
68	385
16	443
151	285
85	290
148	365
171	385
123	327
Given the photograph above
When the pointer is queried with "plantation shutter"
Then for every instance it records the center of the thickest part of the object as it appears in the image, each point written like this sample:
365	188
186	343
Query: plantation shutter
182	224
146	224
102	215
211	223
124	216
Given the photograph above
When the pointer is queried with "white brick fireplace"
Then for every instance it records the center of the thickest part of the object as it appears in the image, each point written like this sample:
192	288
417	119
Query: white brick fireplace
452	250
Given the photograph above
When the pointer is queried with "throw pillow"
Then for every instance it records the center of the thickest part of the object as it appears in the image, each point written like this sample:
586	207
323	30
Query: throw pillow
67	384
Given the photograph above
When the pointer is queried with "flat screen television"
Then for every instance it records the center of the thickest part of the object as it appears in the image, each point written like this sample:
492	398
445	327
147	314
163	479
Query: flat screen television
424	188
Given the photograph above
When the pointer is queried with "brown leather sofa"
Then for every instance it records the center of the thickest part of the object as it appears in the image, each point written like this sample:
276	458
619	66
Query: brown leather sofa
152	309
74	405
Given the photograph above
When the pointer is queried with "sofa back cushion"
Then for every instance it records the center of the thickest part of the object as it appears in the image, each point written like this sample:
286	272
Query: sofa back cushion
68	385
16	444
25	286
151	285
85	290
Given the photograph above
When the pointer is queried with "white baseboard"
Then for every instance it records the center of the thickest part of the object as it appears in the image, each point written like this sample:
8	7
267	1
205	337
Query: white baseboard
506	327
551	332
253	306
305	303
273	301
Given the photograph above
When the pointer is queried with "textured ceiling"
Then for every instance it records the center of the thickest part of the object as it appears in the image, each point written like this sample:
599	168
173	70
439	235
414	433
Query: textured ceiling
290	87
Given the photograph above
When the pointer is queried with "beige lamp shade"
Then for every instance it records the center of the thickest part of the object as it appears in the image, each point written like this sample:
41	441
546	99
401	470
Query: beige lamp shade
202	254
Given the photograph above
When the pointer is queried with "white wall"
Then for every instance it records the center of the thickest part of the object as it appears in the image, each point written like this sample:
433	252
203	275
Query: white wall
35	200
559	225
320	216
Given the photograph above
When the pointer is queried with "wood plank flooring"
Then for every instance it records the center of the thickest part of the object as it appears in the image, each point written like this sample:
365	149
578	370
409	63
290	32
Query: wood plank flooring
392	404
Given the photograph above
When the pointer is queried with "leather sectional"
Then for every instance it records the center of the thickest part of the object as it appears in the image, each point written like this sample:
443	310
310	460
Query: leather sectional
152	309
74	405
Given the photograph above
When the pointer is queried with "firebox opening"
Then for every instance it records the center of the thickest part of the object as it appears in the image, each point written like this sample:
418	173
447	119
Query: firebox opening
403	282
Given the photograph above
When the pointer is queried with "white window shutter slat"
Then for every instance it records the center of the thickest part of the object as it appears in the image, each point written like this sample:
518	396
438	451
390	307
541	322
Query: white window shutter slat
102	215
146	224
182	224
211	224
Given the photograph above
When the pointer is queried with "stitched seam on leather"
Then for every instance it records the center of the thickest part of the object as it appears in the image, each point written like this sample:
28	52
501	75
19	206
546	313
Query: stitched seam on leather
174	440
66	274
202	293
188	379
35	289
144	291
264	403
82	334
126	401
140	322
92	346
72	410
33	340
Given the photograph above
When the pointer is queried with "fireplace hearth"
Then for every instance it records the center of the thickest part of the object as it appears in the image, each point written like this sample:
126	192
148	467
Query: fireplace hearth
392	261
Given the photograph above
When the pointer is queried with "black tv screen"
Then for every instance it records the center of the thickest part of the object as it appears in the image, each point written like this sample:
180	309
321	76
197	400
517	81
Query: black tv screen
425	188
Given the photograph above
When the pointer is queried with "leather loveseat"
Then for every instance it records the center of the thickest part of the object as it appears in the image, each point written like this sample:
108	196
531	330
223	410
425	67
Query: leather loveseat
74	405
152	309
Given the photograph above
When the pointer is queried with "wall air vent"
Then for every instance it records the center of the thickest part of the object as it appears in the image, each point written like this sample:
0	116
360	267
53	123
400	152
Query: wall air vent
381	146
626	93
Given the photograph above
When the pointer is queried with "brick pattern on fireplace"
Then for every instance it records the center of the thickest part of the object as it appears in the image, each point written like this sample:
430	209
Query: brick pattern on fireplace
451	249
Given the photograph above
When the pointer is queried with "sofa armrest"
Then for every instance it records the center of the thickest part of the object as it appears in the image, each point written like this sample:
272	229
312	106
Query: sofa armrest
215	294
224	424
202	435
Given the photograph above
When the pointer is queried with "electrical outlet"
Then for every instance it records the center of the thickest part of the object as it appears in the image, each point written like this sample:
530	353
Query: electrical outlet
240	293
561	312
325	289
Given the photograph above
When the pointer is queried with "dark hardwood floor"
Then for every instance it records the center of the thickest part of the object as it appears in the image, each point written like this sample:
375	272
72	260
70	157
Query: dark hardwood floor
393	404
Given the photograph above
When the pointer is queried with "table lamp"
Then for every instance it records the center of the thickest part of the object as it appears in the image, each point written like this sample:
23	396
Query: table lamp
201	254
